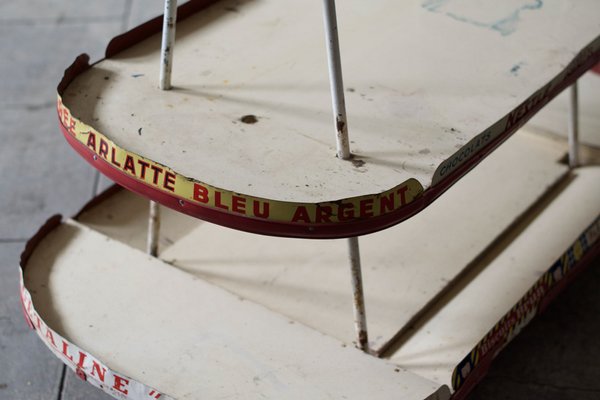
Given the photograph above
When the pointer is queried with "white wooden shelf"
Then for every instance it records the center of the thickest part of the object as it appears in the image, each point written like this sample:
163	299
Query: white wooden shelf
245	139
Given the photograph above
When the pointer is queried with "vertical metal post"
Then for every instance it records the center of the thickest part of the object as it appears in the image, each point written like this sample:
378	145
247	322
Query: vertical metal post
336	81
343	153
573	126
168	42
153	229
166	64
360	316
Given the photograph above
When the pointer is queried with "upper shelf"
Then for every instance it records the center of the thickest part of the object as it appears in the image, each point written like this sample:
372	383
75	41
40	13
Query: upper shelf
245	138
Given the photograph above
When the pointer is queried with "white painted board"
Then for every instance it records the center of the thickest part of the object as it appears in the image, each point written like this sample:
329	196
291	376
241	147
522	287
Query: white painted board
153	324
423	79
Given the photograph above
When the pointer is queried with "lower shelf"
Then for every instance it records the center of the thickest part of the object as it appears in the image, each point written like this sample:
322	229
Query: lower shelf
141	329
253	317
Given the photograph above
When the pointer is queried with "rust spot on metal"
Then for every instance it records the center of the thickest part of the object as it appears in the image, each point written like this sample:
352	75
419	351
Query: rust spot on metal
249	119
340	124
362	340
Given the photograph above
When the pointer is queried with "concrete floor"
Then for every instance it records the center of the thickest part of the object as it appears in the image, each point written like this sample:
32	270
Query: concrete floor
557	357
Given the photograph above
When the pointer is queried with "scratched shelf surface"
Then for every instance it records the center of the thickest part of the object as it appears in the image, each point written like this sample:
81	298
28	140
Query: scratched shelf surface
246	137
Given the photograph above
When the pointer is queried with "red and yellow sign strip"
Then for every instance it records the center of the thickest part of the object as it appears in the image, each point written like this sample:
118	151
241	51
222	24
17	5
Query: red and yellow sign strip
167	181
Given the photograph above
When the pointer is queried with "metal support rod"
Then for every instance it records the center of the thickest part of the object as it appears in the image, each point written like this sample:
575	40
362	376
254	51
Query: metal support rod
573	126
336	81
168	42
360	316
166	64
153	229
343	152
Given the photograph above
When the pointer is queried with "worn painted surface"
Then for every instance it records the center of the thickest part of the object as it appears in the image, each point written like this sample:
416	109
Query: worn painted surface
407	115
238	349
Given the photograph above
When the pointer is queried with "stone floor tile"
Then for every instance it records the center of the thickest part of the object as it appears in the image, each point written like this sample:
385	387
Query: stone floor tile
58	11
76	389
41	174
34	58
103	183
28	370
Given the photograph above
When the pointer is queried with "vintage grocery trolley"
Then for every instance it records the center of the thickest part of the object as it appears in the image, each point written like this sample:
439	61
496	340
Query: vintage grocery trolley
469	224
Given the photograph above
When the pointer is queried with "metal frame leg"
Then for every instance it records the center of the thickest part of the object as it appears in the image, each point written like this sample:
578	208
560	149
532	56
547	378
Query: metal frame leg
336	81
168	43
343	153
573	126
166	64
360	315
153	229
